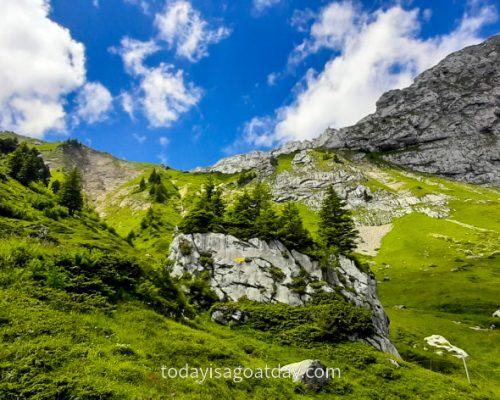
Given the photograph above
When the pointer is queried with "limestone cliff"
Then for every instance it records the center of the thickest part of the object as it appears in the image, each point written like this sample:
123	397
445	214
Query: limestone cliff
248	268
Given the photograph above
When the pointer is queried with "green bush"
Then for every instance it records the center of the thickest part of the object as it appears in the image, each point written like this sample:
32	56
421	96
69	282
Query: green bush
328	319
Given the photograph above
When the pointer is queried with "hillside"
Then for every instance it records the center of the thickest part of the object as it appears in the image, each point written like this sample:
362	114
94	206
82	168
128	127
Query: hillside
73	332
432	243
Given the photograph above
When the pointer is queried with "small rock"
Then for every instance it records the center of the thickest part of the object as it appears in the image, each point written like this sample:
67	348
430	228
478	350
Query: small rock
394	362
310	372
387	278
400	307
496	314
225	315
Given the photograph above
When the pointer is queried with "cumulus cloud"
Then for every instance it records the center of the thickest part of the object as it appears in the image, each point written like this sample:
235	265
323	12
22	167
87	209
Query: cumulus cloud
162	93
40	64
134	52
258	132
166	95
94	102
182	27
371	53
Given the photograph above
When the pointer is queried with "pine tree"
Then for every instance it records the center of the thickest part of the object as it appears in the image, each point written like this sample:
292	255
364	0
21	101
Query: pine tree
291	231
154	177
70	195
142	185
26	165
252	215
266	224
336	228
207	213
160	193
8	145
55	186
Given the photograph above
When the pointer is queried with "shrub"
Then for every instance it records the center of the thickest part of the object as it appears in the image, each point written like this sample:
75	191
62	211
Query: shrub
327	320
185	248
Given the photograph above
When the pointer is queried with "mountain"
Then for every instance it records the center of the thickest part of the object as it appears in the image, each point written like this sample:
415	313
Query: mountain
446	123
93	304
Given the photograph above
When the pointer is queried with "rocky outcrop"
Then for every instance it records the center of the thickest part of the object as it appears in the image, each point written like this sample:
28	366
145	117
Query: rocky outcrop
264	271
102	173
446	123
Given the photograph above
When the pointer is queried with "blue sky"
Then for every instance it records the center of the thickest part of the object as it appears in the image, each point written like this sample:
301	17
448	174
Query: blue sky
189	82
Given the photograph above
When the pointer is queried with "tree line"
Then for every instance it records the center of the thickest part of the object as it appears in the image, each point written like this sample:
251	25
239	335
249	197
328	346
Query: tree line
252	214
26	165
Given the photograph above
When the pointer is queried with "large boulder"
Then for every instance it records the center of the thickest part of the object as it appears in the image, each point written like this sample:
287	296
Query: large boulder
268	272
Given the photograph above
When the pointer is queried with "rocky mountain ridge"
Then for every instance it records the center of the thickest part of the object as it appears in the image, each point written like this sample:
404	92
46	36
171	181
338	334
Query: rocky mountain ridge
446	123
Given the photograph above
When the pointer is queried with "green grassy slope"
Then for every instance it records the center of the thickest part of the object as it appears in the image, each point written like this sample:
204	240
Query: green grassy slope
55	344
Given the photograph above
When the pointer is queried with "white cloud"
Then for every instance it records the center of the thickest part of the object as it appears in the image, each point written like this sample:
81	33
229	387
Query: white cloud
164	141
143	4
134	52
271	78
372	53
93	103
163	158
166	95
257	132
127	103
162	93
40	64
139	138
95	3
183	28
260	6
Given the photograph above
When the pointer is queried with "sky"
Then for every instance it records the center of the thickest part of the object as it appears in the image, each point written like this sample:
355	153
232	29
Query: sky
186	83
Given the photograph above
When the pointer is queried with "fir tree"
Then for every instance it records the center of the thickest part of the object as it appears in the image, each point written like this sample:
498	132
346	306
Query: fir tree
70	195
336	228
26	165
160	193
207	213
142	185
252	216
291	231
8	145
154	177
55	186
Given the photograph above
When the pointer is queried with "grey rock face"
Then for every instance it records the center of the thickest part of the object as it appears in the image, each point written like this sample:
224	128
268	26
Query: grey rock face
262	271
446	123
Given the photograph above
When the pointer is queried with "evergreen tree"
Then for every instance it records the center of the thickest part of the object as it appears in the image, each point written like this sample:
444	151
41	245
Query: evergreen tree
336	227
160	193
266	224
154	177
252	215
291	231
8	145
70	194
207	213
26	165
142	185
55	186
